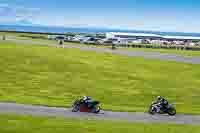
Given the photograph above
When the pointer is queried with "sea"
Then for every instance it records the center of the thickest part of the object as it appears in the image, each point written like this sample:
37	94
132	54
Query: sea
62	30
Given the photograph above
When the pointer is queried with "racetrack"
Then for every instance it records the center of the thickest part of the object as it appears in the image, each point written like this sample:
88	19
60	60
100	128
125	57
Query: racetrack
104	115
146	55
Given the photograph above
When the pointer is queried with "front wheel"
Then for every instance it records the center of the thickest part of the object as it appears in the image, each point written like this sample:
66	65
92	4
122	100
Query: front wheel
171	111
152	110
96	110
75	108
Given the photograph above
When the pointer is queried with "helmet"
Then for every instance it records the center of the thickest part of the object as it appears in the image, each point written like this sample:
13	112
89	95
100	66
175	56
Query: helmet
86	98
159	98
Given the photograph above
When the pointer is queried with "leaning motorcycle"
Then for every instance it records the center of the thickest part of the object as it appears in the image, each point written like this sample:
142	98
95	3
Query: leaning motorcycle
80	106
157	108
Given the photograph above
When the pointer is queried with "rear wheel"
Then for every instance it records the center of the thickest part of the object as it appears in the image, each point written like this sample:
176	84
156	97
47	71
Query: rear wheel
171	111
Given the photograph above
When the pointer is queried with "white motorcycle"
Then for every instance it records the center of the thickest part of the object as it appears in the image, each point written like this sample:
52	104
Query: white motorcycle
157	108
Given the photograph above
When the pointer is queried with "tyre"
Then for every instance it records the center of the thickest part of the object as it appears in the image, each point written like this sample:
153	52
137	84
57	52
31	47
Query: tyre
171	111
75	108
152	110
96	110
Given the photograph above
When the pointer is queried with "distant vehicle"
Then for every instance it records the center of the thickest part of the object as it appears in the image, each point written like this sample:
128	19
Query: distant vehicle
74	39
60	38
126	41
120	41
68	38
90	40
77	38
106	41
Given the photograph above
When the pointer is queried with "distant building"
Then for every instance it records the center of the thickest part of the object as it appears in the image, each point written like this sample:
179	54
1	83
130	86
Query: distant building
132	35
126	38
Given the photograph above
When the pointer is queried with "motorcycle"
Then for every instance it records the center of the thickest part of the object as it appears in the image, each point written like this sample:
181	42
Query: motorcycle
157	108
81	106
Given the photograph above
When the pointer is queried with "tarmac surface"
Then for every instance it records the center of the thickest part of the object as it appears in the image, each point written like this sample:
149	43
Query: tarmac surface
21	109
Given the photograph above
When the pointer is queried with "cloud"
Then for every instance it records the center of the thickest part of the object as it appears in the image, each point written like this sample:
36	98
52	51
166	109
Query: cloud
13	13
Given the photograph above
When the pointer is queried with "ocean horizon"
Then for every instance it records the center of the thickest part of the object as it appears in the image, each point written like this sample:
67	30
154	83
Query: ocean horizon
62	30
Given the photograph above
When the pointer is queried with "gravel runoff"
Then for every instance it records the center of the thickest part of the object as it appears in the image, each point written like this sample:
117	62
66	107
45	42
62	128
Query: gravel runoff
146	55
20	109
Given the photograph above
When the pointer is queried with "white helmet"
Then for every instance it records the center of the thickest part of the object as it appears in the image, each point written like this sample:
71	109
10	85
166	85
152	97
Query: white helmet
85	97
159	98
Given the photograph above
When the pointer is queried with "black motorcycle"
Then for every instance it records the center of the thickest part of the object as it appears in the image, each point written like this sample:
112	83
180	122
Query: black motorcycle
157	108
81	106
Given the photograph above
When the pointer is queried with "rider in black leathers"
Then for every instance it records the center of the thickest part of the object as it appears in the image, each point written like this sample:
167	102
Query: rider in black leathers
163	102
88	101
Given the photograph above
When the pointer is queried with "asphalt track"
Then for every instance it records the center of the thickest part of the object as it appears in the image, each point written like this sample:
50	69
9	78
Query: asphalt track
146	55
20	109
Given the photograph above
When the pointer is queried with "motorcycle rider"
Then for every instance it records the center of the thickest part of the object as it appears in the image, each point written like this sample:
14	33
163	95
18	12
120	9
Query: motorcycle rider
88	101
162	102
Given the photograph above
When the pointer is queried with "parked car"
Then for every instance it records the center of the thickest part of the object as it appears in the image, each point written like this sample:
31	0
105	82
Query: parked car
68	38
60	38
106	41
90	40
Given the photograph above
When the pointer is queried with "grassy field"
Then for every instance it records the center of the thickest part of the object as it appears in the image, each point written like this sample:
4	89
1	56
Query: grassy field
27	36
36	40
56	76
23	34
28	124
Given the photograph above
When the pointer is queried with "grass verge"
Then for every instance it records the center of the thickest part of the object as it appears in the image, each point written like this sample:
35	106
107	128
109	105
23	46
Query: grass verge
29	124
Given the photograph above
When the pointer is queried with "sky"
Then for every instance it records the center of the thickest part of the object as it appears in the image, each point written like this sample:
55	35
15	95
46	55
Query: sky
153	15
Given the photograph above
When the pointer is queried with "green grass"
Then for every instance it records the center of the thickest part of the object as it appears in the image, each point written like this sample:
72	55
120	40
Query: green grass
55	77
26	36
36	40
21	34
29	124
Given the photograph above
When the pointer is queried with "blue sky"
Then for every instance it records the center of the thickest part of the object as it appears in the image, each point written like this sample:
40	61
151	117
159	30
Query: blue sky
160	15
